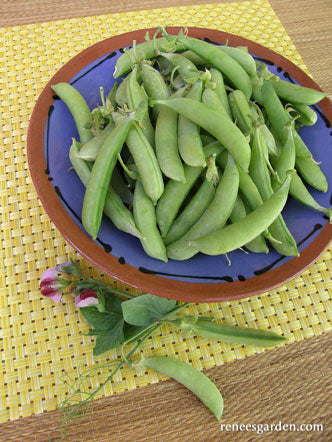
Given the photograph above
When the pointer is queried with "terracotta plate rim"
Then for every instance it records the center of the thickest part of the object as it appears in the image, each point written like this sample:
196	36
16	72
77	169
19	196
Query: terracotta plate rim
164	287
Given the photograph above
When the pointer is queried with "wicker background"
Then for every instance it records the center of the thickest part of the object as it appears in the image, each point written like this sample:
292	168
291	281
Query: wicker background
40	340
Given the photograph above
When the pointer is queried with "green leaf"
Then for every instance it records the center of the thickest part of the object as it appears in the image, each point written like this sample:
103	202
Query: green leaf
113	303
131	331
100	320
108	339
146	309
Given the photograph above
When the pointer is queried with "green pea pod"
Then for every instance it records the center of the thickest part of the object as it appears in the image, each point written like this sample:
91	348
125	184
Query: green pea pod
236	235
312	173
111	95
176	192
222	61
145	219
294	93
194	58
224	130
78	108
257	245
242	57
143	51
307	116
167	149
90	149
136	94
114	207
190	143
187	70
241	111
211	98
217	78
214	217
191	378
228	333
120	95
192	212
121	187
101	173
154	85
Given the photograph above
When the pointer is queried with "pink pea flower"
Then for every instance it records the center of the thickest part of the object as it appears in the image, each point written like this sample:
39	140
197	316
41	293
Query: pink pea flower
50	286
85	298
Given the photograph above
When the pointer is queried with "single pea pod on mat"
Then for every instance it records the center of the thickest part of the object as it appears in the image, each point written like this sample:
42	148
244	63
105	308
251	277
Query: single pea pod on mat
191	378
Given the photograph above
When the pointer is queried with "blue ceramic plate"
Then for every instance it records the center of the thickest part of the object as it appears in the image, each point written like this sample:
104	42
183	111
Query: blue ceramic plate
201	278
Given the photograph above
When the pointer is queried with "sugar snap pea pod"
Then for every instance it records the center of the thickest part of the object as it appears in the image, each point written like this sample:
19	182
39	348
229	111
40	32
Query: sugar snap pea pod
114	207
167	149
112	93
228	333
214	217
241	111
97	186
222	61
194	58
192	212
190	143
191	378
238	234
312	173
187	70
210	98
121	96
154	84
217	78
295	93
242	57
257	245
135	95
307	116
279	118
78	108
145	219
90	149
286	244
176	191
143	51
206	139
213	122
121	187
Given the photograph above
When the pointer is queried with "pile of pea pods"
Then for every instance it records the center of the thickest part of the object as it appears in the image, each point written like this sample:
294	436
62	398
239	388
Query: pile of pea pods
196	149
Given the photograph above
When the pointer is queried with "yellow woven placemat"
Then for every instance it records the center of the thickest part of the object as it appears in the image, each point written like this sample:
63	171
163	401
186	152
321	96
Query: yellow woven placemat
41	340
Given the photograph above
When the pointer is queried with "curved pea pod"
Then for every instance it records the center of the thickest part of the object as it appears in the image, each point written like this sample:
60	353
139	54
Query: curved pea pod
279	119
312	173
284	242
214	217
236	235
167	149
142	51
78	108
295	93
121	187
97	186
190	143
191	378
213	122
228	333
187	70
222	61
257	245
241	111
90	149
145	219
217	78
176	192
120	95
242	57
145	160
307	116
154	85
135	95
192	212
210	98
114	207
112	93
194	58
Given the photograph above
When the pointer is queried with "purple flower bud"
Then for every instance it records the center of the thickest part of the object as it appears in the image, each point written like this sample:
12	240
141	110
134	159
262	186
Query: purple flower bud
49	285
85	298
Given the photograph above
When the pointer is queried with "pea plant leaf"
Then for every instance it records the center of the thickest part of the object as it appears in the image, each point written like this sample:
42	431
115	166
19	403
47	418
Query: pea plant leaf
113	303
100	320
108	339
146	309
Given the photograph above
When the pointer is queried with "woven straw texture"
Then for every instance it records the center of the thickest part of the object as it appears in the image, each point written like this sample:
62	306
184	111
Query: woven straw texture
40	340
